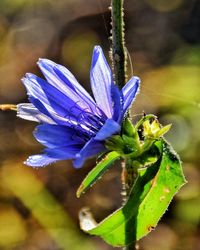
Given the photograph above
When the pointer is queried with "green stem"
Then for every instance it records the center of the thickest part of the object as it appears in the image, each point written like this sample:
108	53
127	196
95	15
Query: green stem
119	67
129	175
132	246
118	43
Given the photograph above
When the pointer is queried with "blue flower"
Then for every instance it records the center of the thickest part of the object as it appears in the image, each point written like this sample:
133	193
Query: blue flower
73	124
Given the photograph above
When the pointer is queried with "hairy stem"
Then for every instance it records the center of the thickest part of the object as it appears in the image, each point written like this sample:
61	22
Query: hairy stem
132	246
118	44
118	55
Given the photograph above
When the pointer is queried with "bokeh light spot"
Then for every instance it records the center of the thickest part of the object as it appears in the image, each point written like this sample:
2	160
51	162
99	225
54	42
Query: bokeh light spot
77	50
165	6
12	229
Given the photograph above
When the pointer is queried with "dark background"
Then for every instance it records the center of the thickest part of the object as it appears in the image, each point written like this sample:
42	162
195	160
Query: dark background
38	208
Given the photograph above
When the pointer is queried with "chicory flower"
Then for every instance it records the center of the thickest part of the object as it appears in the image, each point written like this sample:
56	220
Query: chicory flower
74	125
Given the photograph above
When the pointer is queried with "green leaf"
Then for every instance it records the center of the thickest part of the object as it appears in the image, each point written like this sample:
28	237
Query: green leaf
147	158
97	172
149	198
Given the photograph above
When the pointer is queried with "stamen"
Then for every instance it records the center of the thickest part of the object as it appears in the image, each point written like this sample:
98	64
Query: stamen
84	121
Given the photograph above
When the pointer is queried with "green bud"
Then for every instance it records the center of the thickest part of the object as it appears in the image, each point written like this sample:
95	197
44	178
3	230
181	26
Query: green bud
128	128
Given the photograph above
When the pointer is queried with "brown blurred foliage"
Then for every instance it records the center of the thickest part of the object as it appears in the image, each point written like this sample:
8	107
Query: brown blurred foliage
38	208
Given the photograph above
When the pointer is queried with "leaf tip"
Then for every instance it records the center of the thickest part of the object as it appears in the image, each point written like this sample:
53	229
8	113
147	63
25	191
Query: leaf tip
79	191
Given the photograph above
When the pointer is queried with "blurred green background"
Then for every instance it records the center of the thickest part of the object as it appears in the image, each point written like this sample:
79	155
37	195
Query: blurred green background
38	208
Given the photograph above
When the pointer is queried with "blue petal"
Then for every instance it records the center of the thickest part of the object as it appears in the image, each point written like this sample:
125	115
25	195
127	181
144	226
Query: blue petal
91	148
130	90
52	98
51	155
118	102
101	80
67	121
54	136
109	128
28	112
40	160
56	104
38	105
60	77
63	153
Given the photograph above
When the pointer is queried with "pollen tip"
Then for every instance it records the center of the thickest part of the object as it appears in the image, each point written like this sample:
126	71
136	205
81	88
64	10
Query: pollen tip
42	60
97	48
28	75
25	162
138	79
39	61
28	163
